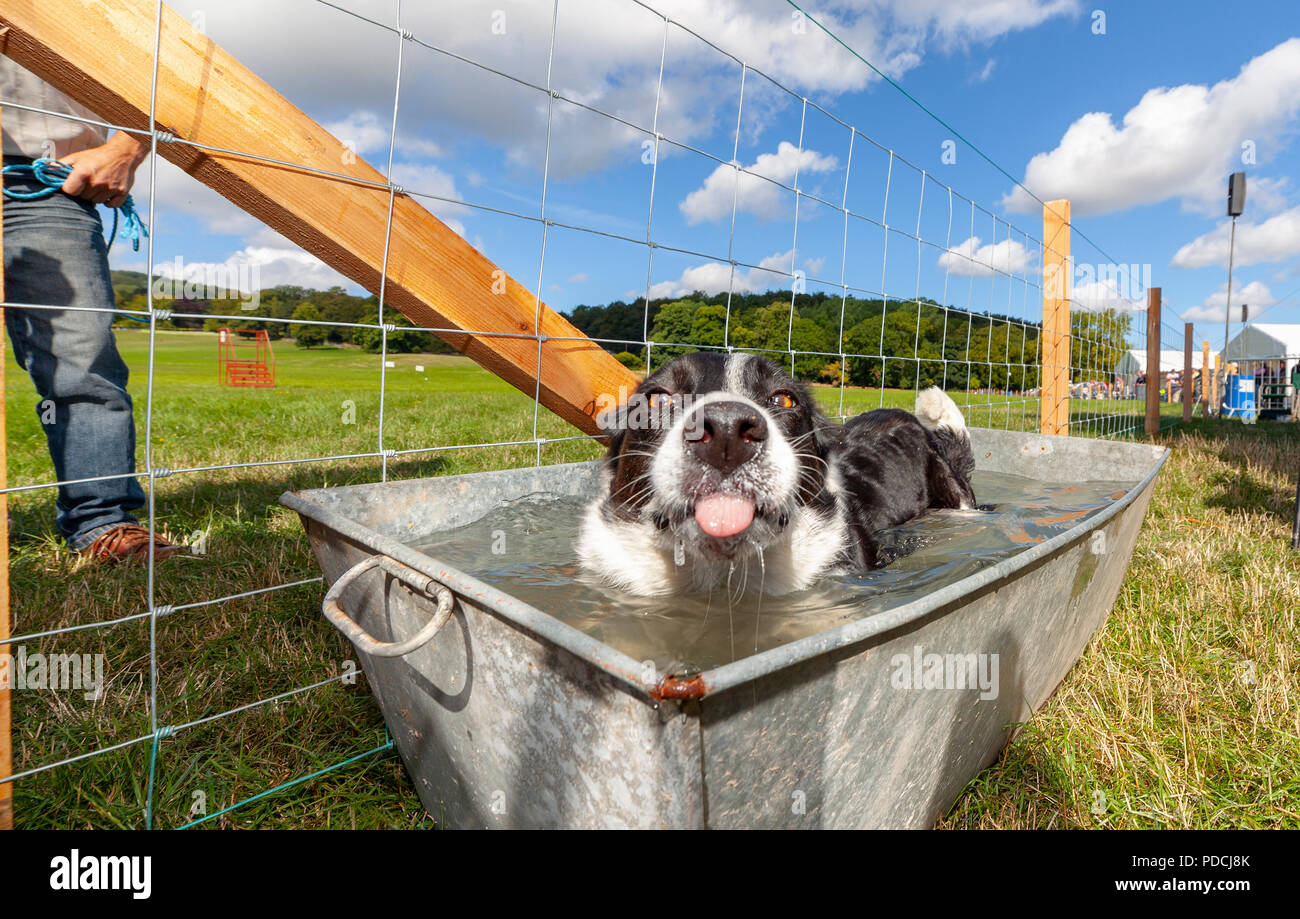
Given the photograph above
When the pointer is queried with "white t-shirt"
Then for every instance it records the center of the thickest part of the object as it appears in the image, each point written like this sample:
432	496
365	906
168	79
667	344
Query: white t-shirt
35	135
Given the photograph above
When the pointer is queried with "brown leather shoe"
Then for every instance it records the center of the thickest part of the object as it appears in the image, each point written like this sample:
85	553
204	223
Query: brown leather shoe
128	543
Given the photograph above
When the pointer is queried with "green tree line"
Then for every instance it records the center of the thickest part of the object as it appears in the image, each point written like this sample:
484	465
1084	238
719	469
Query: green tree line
899	343
284	302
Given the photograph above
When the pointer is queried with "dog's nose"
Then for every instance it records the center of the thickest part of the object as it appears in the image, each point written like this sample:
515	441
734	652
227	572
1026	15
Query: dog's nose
726	434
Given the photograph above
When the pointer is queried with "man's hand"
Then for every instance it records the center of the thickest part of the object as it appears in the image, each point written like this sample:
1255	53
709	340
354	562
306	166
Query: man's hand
104	174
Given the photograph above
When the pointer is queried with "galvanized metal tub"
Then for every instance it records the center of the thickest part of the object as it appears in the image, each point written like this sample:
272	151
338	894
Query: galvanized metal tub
507	717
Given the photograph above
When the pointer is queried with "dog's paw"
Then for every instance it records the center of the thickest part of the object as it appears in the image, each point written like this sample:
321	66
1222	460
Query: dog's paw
935	409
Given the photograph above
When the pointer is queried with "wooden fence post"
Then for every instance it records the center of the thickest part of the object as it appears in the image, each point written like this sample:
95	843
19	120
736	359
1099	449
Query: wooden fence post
1188	389
1214	382
1054	373
1153	361
1205	379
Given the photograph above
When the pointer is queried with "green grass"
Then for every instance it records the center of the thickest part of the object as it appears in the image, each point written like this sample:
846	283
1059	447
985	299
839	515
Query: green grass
216	658
1183	711
1200	599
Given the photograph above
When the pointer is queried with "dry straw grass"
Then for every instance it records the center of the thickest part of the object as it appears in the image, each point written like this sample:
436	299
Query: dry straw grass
1183	712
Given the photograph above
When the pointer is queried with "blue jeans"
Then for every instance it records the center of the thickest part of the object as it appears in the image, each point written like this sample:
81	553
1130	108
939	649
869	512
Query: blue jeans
55	255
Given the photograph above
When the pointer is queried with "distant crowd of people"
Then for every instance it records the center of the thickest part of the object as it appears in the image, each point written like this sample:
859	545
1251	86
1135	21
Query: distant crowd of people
1172	384
1271	372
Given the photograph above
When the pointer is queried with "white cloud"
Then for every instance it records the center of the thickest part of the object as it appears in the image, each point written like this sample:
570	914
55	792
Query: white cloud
367	135
179	194
772	273
580	278
1274	240
1103	294
986	72
606	53
260	267
279	261
342	72
428	179
970	259
960	24
1255	294
1177	142
362	131
750	190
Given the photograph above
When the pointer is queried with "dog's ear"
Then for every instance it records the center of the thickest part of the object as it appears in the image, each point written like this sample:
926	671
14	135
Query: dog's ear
817	433
616	439
827	434
613	421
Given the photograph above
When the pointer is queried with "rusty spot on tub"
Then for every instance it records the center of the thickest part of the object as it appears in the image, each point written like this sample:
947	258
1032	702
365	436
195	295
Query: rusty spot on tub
1117	495
1063	517
1019	535
673	687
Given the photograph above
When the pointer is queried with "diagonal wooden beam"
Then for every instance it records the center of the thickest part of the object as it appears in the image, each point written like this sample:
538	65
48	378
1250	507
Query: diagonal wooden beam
101	54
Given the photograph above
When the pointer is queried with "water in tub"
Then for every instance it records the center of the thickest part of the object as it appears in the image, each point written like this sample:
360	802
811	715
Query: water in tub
525	549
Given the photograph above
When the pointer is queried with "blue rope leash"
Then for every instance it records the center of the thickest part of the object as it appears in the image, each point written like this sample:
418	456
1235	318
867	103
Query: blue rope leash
52	174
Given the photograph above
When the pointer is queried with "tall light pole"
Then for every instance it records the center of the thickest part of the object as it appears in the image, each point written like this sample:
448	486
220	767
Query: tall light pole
1236	204
1227	312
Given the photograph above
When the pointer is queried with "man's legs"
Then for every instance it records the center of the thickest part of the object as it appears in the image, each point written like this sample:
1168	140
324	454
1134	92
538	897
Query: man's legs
55	255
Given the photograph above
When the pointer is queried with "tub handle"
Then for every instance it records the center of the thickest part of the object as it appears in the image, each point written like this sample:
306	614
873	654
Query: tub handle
363	640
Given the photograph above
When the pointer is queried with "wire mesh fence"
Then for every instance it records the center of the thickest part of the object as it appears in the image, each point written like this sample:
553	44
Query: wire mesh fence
223	683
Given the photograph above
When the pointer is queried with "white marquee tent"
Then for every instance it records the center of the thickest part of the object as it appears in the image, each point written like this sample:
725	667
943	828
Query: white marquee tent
1131	363
1265	342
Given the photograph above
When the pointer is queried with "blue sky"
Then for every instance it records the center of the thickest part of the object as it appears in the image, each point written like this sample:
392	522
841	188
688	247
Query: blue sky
1137	117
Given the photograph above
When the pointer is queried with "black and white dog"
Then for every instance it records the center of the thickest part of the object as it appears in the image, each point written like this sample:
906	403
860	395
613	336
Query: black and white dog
725	460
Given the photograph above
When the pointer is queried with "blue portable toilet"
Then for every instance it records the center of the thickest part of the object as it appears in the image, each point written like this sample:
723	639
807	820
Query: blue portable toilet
1240	397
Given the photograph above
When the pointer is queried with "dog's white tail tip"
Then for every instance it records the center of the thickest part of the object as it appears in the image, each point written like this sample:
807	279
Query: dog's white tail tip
935	409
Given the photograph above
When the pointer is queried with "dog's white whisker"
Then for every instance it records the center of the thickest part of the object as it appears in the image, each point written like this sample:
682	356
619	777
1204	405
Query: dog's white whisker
731	619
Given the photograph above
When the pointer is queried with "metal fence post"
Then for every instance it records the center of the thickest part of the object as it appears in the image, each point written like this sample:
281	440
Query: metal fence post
1295	527
6	750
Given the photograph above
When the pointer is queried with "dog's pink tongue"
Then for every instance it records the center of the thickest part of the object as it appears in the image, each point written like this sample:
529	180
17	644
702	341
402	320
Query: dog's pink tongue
724	515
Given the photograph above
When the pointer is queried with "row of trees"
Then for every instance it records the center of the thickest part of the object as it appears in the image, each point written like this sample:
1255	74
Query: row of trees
899	344
285	302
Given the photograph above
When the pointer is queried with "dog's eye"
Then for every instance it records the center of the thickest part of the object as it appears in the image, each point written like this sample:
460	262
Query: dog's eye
660	399
781	399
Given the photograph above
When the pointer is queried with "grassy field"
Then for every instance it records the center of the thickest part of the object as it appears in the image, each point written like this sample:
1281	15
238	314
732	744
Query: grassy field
1182	713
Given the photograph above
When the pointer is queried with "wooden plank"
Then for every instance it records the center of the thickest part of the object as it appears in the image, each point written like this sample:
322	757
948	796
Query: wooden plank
1054	400
436	278
1153	361
6	738
1217	402
1206	402
1188	401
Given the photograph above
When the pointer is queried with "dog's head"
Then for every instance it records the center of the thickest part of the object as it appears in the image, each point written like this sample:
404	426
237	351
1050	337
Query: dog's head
718	453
